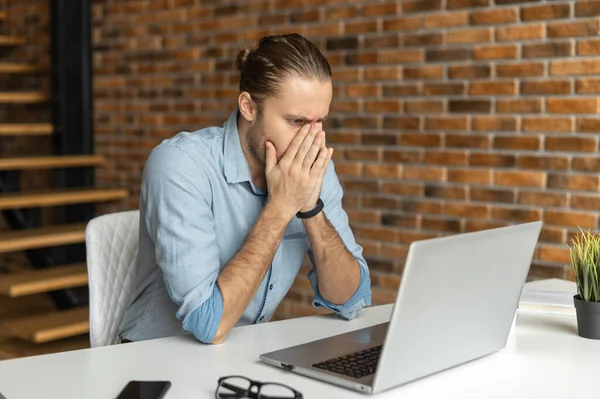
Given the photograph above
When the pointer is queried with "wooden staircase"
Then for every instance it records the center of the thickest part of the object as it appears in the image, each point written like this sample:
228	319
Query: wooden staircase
30	323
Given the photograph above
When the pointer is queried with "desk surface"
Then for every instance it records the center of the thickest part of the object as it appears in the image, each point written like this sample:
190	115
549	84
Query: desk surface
544	358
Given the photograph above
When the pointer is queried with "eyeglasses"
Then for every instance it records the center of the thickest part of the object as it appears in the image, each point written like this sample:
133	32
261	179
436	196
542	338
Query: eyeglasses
237	387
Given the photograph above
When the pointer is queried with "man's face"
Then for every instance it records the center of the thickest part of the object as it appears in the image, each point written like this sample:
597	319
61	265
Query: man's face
298	102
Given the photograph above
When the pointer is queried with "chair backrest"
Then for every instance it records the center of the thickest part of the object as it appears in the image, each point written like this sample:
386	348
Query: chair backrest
112	248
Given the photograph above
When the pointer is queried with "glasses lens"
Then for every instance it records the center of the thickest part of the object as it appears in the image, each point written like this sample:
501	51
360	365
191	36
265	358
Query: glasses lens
275	391
233	388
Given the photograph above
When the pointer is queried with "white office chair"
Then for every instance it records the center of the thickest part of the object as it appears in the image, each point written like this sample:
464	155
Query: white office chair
112	248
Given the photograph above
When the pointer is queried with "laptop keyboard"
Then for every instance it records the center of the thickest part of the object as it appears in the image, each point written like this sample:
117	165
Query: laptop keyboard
356	365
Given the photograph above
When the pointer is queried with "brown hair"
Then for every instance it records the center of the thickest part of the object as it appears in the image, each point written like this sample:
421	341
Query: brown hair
275	58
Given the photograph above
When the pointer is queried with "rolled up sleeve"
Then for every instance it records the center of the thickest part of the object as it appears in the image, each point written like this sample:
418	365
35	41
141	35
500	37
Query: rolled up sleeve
331	195
176	204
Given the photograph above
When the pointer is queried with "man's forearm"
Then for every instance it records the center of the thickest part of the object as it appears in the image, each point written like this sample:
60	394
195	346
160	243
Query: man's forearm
337	268
241	277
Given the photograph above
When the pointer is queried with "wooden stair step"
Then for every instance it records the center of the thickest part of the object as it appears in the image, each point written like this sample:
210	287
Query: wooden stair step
19	348
48	327
30	282
23	97
20	200
41	237
11	40
26	129
68	161
17	67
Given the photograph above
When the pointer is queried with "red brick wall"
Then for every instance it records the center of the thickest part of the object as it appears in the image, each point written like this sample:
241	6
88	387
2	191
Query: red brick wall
449	115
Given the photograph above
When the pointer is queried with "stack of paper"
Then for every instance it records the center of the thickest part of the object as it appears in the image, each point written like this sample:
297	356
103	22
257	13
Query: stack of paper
549	296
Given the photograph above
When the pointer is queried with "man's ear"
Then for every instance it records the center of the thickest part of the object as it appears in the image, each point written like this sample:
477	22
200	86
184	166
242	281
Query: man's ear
247	106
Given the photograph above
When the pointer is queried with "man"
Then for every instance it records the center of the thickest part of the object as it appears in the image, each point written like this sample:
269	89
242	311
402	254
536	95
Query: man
228	214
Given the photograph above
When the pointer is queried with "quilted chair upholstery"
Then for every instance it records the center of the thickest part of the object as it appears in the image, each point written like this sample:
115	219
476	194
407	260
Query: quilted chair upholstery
112	248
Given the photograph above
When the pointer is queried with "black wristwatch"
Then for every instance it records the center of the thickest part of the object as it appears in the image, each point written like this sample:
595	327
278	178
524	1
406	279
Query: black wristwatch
312	212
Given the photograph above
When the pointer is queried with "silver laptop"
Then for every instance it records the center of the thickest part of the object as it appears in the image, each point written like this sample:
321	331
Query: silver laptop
456	302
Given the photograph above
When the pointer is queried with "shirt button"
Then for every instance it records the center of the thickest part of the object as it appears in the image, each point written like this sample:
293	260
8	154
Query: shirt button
271	287
261	318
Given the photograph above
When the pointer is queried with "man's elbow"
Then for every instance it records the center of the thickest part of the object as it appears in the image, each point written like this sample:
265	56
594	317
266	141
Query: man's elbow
220	336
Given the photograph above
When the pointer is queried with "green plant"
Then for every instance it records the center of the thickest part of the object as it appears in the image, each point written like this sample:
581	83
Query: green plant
585	264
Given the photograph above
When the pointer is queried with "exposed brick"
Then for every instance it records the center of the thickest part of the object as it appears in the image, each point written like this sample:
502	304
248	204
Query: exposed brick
383	73
402	188
469	72
455	158
439	224
515	214
343	138
548	124
588	125
571	144
379	234
588	86
499	16
383	106
407	221
471	176
504	2
348	168
548	50
588	47
574	29
379	202
495	123
547	87
363	216
361	58
362	154
545	199
469	106
359	185
530	143
571	219
521	179
586	164
383	170
361	122
437	89
378	139
341	13
496	52
492	160
522	32
479	194
425	107
401	56
554	254
543	162
402	90
446	20
467	141
573	105
446	55
305	16
342	43
420	140
428	173
519	106
447	192
347	75
454	4
409	156
422	206
575	67
493	88
545	12
478	225
363	90
446	123
424	72
411	6
406	23
588	202
422	39
403	123
574	182
521	70
353	28
469	36
587	8
467	210
373	10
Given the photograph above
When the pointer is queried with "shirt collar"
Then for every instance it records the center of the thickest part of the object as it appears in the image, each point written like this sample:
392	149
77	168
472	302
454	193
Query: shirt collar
235	163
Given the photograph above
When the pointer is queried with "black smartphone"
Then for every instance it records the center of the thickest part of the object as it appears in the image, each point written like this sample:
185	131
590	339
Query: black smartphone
145	390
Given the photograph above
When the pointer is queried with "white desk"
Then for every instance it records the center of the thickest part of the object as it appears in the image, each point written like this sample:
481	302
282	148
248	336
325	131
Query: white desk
544	358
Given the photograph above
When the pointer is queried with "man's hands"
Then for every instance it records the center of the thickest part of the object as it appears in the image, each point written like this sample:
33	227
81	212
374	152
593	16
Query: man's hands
294	183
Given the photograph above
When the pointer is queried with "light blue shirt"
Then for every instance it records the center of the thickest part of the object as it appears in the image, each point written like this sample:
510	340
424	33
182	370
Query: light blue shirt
197	205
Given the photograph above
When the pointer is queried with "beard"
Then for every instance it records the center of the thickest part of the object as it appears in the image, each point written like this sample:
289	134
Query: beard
257	141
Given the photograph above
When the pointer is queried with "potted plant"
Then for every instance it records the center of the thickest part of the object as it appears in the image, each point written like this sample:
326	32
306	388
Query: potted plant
585	265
